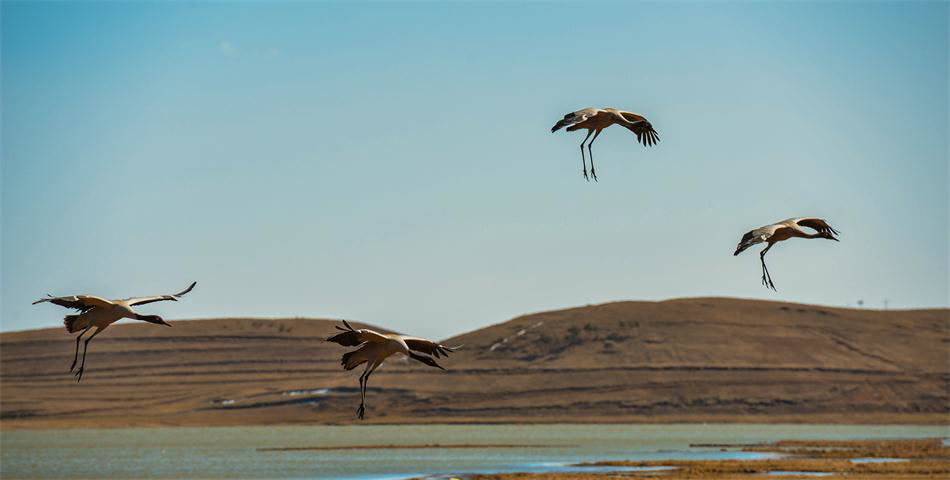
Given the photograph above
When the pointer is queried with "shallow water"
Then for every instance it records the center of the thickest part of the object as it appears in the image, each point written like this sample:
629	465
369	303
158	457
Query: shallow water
233	452
879	460
802	474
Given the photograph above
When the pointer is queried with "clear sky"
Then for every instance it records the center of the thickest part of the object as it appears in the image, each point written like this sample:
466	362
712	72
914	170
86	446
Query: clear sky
393	163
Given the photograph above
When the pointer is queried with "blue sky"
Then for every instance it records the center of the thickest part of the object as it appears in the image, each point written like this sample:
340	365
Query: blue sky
392	163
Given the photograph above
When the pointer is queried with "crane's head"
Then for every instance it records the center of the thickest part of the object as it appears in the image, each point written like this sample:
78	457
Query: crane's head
153	319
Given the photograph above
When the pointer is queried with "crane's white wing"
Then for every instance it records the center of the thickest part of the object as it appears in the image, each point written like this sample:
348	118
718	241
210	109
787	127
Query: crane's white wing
769	230
78	302
133	301
574	118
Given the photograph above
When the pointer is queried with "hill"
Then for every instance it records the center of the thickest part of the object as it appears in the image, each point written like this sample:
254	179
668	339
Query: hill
703	359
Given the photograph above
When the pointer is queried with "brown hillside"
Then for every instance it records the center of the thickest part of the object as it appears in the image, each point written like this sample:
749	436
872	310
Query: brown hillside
678	360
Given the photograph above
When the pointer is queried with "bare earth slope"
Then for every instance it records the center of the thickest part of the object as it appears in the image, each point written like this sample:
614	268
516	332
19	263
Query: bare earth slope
679	360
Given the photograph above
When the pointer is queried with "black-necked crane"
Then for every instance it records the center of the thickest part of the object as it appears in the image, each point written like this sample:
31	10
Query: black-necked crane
100	313
376	347
597	119
784	230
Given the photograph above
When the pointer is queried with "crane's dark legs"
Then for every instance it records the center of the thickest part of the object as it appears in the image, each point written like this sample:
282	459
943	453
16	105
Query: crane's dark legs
583	161
364	381
766	278
76	355
362	409
591	155
84	350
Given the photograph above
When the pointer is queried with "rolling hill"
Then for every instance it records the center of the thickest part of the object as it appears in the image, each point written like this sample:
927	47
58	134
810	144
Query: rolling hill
701	359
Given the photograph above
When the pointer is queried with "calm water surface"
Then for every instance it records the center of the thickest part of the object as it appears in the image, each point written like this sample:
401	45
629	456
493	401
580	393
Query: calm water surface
233	452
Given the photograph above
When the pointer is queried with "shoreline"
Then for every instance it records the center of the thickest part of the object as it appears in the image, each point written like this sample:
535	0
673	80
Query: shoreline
935	420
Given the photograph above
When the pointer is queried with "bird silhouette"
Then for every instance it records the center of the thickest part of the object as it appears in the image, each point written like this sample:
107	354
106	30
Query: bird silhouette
783	230
597	119
376	347
100	313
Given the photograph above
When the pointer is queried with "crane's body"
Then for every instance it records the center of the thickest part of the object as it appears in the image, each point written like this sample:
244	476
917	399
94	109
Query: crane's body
780	231
101	316
596	120
100	313
375	348
373	354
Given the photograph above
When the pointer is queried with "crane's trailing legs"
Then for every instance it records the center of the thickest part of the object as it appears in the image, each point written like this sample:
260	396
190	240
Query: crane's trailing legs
584	161
362	410
591	155
766	278
84	350
76	355
364	380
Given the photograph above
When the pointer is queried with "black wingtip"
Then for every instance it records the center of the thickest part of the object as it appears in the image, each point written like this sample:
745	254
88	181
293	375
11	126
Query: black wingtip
184	292
347	325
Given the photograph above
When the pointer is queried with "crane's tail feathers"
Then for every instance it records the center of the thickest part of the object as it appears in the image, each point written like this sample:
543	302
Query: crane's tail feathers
69	321
349	337
567	120
348	362
347	329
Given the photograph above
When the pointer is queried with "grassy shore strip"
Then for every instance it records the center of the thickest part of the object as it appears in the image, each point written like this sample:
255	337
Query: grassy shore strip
930	448
929	458
713	468
745	469
403	447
